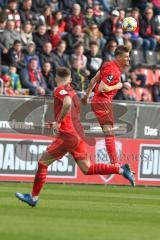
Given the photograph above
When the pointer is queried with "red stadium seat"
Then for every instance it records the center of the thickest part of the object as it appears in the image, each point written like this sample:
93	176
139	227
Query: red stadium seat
151	58
132	92
157	75
141	91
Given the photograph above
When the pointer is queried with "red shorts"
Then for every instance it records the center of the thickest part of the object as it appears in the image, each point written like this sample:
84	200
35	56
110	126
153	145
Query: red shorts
68	143
103	111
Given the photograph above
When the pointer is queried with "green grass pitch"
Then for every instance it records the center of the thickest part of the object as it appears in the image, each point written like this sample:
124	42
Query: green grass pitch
81	212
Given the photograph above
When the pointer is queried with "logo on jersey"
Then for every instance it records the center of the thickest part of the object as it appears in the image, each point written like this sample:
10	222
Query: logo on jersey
63	92
109	78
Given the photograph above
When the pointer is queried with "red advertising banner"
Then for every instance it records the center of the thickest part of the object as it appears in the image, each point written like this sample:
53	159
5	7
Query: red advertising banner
20	154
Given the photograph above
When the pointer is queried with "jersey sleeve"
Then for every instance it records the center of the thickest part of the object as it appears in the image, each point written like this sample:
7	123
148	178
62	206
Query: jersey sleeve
107	75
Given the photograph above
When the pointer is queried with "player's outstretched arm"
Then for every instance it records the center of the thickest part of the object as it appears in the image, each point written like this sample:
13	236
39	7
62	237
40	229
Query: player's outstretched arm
105	88
92	84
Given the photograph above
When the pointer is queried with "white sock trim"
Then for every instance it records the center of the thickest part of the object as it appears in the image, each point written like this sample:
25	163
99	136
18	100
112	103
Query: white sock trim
35	198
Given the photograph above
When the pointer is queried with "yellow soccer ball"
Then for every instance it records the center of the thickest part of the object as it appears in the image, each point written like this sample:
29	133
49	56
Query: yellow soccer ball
129	24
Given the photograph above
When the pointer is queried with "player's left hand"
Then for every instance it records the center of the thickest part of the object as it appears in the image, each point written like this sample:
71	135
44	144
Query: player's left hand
84	99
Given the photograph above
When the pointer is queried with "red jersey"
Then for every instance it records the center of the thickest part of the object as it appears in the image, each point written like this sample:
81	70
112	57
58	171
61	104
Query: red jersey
110	74
71	122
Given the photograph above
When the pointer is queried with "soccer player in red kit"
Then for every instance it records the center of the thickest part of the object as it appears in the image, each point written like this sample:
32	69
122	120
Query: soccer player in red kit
67	125
106	83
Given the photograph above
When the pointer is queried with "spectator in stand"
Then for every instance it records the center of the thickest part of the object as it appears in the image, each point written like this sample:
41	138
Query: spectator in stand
39	5
137	80
40	37
61	59
89	17
9	35
16	56
129	45
109	25
32	79
15	80
108	53
106	5
3	4
55	36
76	17
72	38
94	35
85	4
3	21
79	77
3	16
98	13
78	52
145	97
66	5
156	91
11	81
47	55
13	14
124	93
46	17
94	59
148	30
122	15
85	33
156	7
30	53
54	5
58	19
26	14
7	89
49	77
119	36
0	56
141	4
26	34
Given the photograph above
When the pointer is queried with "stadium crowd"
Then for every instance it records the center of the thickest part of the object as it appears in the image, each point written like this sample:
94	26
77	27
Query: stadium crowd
37	36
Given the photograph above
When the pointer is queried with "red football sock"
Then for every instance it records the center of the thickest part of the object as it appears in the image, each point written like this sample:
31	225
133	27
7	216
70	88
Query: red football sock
103	169
111	149
40	179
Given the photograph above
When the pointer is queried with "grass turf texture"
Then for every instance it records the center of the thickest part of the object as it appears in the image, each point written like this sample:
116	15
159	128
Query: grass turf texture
81	212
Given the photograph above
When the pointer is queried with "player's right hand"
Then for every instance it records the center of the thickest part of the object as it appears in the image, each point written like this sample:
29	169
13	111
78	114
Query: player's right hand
119	85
